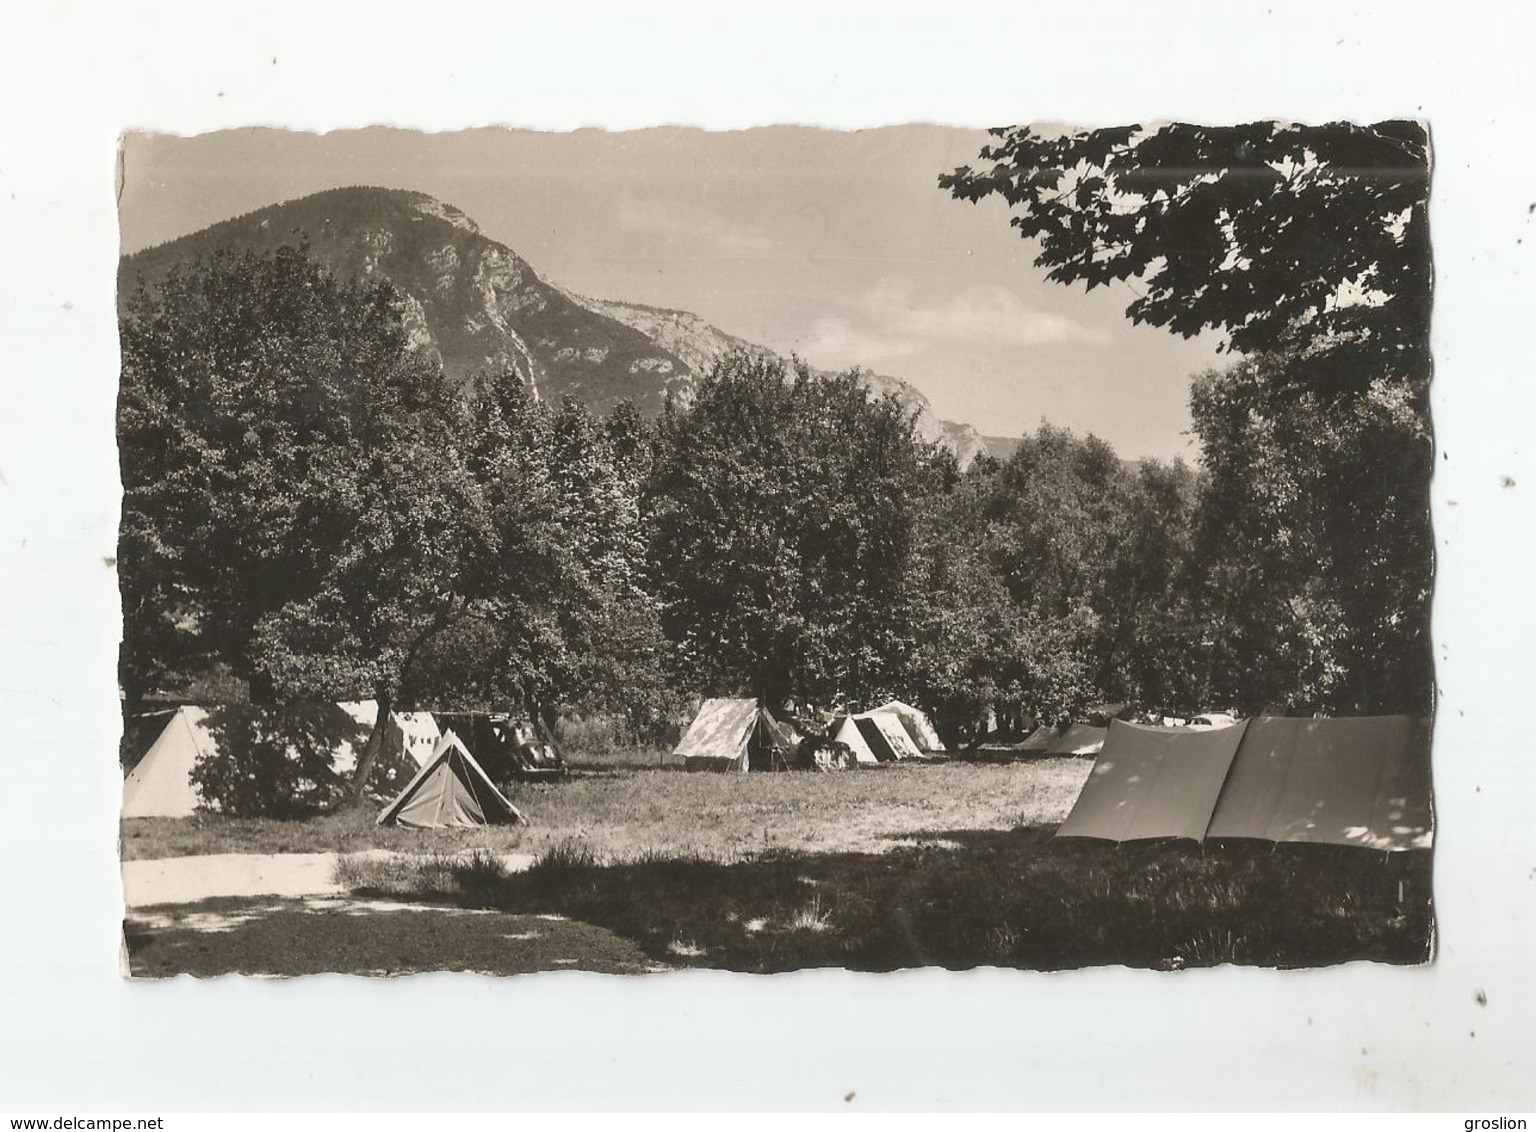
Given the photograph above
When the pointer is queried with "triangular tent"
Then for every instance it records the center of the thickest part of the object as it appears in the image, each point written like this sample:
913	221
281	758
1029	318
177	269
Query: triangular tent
847	732
1344	781
1079	739
160	786
1153	783
886	737
736	734
450	792
918	726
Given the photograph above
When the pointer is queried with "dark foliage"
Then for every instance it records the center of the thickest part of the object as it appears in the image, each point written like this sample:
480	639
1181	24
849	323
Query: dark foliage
1264	231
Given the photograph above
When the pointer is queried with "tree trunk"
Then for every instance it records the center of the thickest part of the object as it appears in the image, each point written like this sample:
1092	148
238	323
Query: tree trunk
374	748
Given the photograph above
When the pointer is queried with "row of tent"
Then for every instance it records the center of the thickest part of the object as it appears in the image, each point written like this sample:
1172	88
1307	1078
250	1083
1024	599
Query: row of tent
1362	781
161	782
734	734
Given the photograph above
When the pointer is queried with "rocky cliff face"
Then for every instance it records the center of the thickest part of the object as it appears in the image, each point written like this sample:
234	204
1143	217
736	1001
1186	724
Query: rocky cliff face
477	305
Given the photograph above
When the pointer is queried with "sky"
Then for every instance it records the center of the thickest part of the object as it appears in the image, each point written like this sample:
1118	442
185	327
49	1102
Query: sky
836	245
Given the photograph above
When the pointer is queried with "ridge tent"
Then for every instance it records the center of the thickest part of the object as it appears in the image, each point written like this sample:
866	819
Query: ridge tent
1341	781
925	737
1079	739
1153	782
450	792
1361	781
848	732
736	734
886	737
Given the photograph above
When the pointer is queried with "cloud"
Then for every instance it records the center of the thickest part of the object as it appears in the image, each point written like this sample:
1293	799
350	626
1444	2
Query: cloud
983	313
834	343
886	322
677	221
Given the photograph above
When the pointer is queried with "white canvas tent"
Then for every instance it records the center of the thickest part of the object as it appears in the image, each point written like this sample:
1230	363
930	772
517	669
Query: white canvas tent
918	726
160	786
736	734
450	792
848	733
886	736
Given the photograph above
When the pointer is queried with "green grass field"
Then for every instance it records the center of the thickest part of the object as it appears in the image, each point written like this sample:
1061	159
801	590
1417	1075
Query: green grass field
639	868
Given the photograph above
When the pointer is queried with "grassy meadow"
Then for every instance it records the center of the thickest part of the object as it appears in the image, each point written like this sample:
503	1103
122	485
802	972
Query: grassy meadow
639	866
622	813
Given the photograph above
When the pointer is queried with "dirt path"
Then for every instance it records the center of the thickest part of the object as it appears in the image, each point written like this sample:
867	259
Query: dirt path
187	880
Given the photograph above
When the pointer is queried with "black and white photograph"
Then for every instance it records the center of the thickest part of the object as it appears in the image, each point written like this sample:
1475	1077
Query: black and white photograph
828	559
630	551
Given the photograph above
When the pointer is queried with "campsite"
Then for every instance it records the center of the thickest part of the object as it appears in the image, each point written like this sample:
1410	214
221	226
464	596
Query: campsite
636	864
473	622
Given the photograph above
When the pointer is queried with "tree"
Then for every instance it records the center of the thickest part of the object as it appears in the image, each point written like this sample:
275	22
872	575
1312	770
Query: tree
783	509
1053	580
1314	556
1268	231
555	616
292	505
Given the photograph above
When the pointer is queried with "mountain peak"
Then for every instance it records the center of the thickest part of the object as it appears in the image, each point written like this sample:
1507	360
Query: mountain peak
477	305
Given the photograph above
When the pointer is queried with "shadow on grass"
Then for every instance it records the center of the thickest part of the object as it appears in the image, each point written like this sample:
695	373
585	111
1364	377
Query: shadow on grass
286	937
967	898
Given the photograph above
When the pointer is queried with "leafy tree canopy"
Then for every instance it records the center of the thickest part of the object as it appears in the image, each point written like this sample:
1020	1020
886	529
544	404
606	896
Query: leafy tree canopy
1313	557
783	513
1270	232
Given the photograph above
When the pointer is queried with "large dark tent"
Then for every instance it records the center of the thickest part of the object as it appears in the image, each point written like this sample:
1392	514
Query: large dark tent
1344	781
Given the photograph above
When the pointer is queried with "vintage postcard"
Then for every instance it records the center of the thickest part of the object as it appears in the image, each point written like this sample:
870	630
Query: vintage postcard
783	548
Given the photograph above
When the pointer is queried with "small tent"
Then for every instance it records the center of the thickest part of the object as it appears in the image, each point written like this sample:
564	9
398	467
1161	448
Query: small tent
450	792
886	737
847	732
736	734
918	726
1079	739
160	785
1152	783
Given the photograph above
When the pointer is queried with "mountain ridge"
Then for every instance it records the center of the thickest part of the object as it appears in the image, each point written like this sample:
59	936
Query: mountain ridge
475	303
